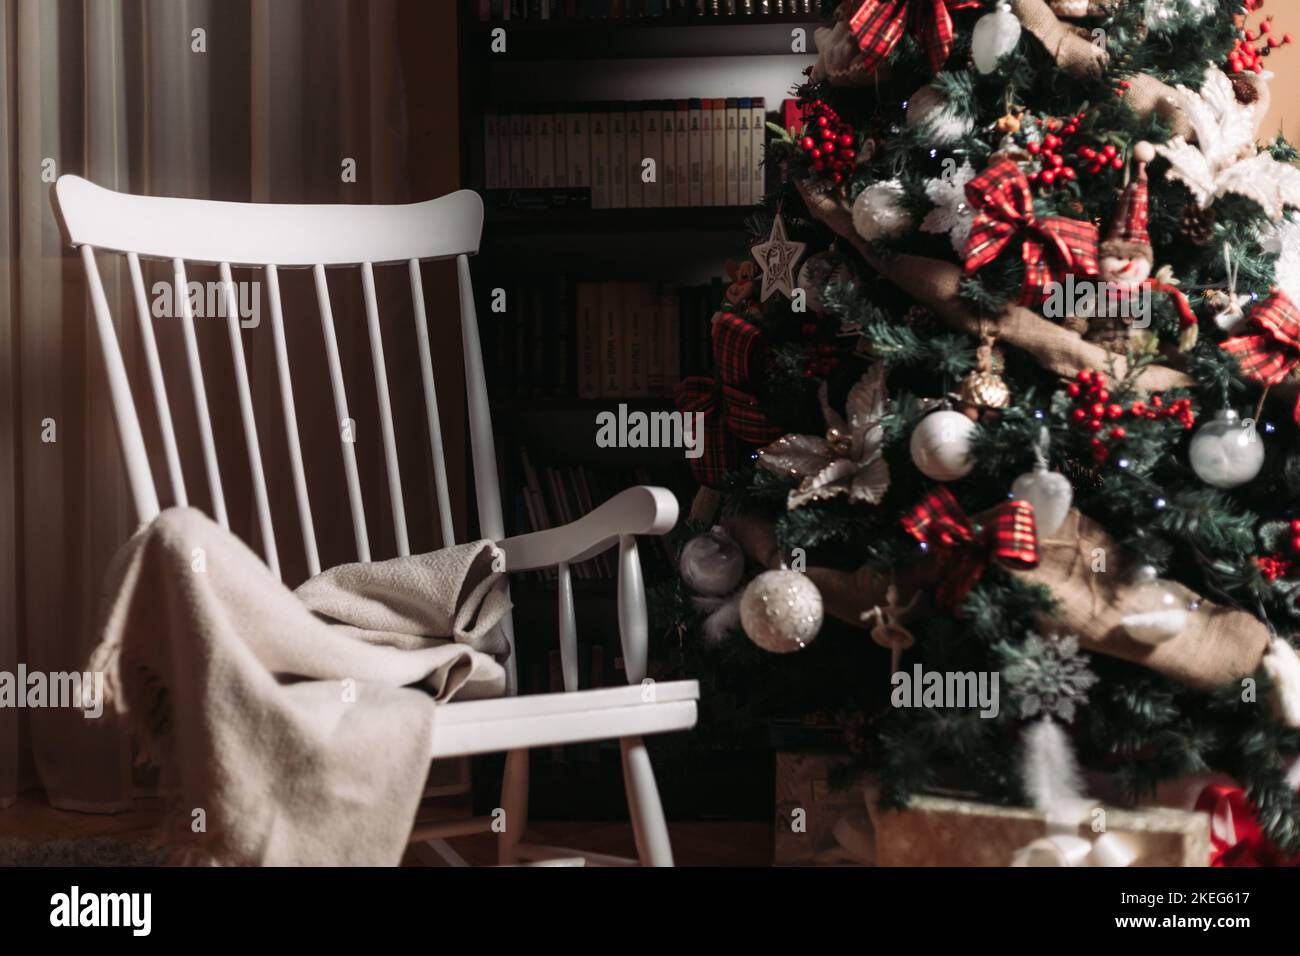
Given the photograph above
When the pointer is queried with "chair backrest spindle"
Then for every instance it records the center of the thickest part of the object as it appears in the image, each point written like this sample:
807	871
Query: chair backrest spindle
161	405
431	406
291	421
385	409
346	426
200	392
268	237
130	437
260	497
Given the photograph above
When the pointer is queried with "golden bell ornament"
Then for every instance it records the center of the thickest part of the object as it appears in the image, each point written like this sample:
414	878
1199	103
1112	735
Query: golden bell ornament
985	390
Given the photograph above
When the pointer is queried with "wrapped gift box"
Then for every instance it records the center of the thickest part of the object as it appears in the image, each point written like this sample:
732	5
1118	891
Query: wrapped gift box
816	824
939	831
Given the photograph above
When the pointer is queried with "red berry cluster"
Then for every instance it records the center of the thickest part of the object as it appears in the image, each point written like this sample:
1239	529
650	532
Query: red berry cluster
1246	57
1275	567
828	141
1058	165
820	360
1096	414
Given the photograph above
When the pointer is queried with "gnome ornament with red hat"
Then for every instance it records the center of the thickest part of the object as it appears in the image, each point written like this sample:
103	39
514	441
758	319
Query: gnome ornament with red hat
1122	307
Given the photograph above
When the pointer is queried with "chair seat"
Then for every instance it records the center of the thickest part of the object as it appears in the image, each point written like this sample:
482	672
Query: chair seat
540	720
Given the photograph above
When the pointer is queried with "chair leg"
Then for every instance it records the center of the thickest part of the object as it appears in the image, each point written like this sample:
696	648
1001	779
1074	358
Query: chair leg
648	824
514	801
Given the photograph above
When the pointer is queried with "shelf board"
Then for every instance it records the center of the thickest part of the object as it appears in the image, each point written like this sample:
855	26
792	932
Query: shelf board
615	38
720	219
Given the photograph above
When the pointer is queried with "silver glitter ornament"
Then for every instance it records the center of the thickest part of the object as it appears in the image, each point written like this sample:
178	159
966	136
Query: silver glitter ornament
781	611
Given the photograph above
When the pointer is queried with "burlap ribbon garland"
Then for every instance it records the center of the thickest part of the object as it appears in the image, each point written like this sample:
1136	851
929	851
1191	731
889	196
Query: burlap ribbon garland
1219	646
840	62
935	284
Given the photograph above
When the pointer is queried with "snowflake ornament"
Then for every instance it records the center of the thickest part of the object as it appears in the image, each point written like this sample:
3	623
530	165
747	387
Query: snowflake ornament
1048	676
951	213
1225	158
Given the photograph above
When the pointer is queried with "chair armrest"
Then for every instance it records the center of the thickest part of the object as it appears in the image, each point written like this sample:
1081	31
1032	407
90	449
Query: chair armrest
640	510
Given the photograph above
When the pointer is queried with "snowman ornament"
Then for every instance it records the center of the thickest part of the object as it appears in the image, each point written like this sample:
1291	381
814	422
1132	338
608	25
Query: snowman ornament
1125	265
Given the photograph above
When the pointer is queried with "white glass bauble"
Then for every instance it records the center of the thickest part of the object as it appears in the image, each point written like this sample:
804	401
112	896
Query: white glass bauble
1155	610
1227	451
996	34
940	445
781	611
929	109
879	213
711	564
1050	494
819	271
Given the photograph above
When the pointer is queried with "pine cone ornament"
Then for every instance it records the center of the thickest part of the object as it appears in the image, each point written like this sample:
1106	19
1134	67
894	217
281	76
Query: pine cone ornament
1198	225
1245	91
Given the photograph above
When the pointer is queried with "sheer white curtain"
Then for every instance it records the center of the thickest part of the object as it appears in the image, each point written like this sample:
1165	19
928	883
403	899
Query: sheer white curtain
225	99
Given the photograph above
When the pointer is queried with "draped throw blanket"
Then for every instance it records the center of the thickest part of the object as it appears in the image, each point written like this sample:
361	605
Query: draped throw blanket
292	728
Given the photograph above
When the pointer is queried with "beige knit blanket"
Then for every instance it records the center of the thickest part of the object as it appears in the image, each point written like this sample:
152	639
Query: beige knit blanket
292	727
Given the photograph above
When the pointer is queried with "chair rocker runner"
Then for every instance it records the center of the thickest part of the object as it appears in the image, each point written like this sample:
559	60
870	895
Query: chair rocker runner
272	236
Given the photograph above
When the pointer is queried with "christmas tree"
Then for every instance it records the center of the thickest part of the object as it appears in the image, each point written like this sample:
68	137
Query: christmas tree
1011	388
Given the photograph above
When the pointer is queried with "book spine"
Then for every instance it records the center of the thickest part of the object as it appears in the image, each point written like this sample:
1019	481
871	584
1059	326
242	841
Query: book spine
491	153
635	300
681	136
733	152
539	332
720	152
670	332
632	157
598	123
654	342
706	153
695	150
545	151
516	144
611	339
758	148
617	158
578	147
668	157
651	146
588	326
530	150
563	324
744	178
560	146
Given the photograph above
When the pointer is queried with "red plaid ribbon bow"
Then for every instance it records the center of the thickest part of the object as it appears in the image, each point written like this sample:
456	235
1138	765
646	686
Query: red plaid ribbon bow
1235	835
1272	352
1051	248
879	25
731	414
1008	535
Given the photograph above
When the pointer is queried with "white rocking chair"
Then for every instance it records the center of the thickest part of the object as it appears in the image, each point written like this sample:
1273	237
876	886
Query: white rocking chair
268	237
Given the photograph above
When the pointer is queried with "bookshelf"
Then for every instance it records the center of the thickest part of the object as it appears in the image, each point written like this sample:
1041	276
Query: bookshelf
533	236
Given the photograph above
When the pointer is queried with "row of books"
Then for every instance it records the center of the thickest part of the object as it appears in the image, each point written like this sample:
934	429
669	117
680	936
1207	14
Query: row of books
633	155
560	339
554	495
490	10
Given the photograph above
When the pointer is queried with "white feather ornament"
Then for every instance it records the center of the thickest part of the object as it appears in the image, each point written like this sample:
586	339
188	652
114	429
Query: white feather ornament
1224	158
1051	772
